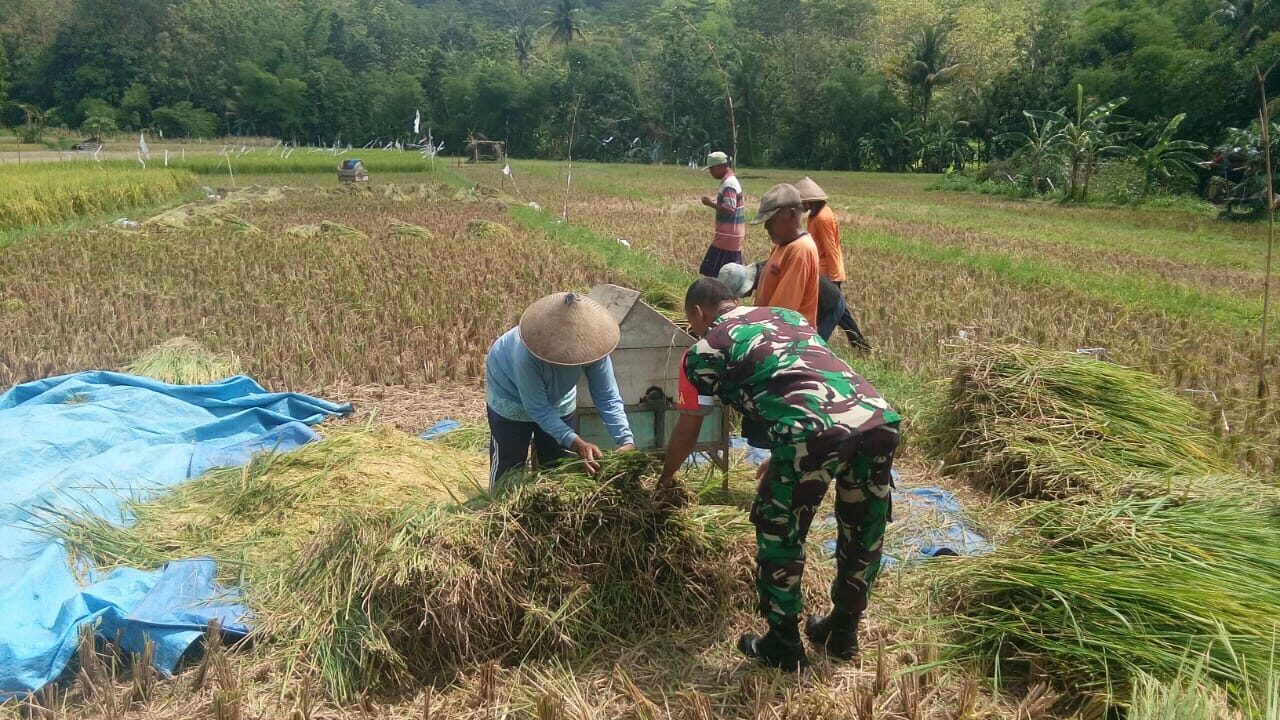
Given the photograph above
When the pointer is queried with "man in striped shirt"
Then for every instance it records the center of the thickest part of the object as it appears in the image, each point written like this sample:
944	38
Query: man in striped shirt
731	217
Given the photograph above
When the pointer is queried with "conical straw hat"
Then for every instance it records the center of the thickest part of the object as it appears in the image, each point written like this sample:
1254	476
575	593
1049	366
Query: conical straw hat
810	191
569	329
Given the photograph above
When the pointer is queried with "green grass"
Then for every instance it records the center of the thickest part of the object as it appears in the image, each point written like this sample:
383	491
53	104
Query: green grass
301	161
1137	291
1205	241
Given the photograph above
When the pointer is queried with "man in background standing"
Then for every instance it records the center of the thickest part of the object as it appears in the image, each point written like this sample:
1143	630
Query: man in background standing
731	217
825	229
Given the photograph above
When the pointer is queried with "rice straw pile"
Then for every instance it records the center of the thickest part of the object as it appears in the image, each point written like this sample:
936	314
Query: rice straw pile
1039	423
264	514
1110	591
376	580
183	361
1156	554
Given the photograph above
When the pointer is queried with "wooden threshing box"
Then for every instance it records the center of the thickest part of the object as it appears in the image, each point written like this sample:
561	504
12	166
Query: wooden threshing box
647	363
352	171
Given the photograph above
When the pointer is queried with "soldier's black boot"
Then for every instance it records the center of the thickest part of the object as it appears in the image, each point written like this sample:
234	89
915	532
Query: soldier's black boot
780	647
837	633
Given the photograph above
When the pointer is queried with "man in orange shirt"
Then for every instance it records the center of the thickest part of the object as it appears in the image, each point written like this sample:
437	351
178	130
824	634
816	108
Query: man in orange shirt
790	277
824	228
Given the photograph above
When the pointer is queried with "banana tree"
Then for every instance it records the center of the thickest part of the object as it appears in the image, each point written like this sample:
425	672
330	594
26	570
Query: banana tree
1166	158
1089	137
1042	143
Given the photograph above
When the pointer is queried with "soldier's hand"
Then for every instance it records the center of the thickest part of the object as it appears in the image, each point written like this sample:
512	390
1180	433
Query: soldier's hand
761	472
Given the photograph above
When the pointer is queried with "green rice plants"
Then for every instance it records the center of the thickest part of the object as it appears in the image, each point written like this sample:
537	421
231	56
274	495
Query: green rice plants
183	361
1040	423
53	193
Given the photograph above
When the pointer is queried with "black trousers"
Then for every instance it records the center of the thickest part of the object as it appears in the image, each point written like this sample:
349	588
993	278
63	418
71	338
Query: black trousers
509	442
850	327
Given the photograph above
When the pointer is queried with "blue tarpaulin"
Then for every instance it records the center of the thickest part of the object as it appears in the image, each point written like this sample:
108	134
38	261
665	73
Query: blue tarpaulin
86	443
927	522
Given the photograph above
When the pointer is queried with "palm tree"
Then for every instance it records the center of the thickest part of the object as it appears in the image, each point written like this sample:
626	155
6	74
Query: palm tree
523	38
564	23
928	65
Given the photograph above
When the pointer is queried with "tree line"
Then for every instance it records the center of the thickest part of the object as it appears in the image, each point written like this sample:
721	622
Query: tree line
824	84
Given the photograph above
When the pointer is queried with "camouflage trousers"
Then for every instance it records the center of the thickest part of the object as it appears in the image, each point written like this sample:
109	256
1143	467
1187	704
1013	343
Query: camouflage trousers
785	506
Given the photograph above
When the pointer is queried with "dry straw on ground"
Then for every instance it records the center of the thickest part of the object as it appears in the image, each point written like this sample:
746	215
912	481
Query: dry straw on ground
363	564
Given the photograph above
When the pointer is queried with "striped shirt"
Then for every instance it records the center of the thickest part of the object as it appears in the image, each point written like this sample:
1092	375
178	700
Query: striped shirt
731	228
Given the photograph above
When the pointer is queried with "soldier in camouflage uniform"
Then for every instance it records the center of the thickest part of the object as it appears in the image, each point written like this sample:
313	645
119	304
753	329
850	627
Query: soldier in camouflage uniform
826	423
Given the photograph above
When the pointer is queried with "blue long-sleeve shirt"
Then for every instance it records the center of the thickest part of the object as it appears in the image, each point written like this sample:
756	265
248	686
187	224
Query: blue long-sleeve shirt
525	389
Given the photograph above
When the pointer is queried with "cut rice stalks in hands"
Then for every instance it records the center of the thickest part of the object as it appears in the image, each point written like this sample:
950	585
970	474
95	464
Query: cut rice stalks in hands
1039	423
183	361
381	585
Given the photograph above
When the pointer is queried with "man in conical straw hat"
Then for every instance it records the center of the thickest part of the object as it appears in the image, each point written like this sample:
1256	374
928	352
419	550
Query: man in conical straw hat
532	374
825	230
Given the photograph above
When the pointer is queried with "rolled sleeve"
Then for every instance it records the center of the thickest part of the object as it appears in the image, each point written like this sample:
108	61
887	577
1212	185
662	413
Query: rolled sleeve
604	393
541	409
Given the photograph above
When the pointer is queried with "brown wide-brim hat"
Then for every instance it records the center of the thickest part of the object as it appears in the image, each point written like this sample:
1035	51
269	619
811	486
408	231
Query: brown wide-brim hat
810	191
569	329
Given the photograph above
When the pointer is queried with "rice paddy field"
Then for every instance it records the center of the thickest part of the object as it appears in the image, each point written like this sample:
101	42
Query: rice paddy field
1082	379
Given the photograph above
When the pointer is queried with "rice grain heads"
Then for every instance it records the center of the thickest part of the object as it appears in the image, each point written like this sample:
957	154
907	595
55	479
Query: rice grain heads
1040	423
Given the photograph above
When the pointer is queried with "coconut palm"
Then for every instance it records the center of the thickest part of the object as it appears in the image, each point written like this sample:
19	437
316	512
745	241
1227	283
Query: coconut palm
564	23
928	65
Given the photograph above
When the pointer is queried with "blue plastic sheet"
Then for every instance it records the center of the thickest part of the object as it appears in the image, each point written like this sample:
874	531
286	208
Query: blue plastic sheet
444	427
928	522
754	457
86	443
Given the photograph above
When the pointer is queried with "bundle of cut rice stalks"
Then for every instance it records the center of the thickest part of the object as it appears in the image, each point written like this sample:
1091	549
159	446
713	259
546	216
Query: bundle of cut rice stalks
1040	423
381	581
1098	593
183	361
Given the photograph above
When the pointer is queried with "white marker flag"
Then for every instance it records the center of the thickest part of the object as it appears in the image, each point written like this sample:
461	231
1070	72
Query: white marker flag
506	169
417	122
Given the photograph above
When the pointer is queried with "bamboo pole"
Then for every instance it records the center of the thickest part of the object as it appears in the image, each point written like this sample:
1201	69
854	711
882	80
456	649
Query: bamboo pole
1265	115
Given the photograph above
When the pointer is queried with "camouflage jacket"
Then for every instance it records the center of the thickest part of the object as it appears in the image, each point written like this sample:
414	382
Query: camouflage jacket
769	364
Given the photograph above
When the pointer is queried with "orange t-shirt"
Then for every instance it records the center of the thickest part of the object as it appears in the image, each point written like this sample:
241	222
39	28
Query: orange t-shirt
826	235
790	278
